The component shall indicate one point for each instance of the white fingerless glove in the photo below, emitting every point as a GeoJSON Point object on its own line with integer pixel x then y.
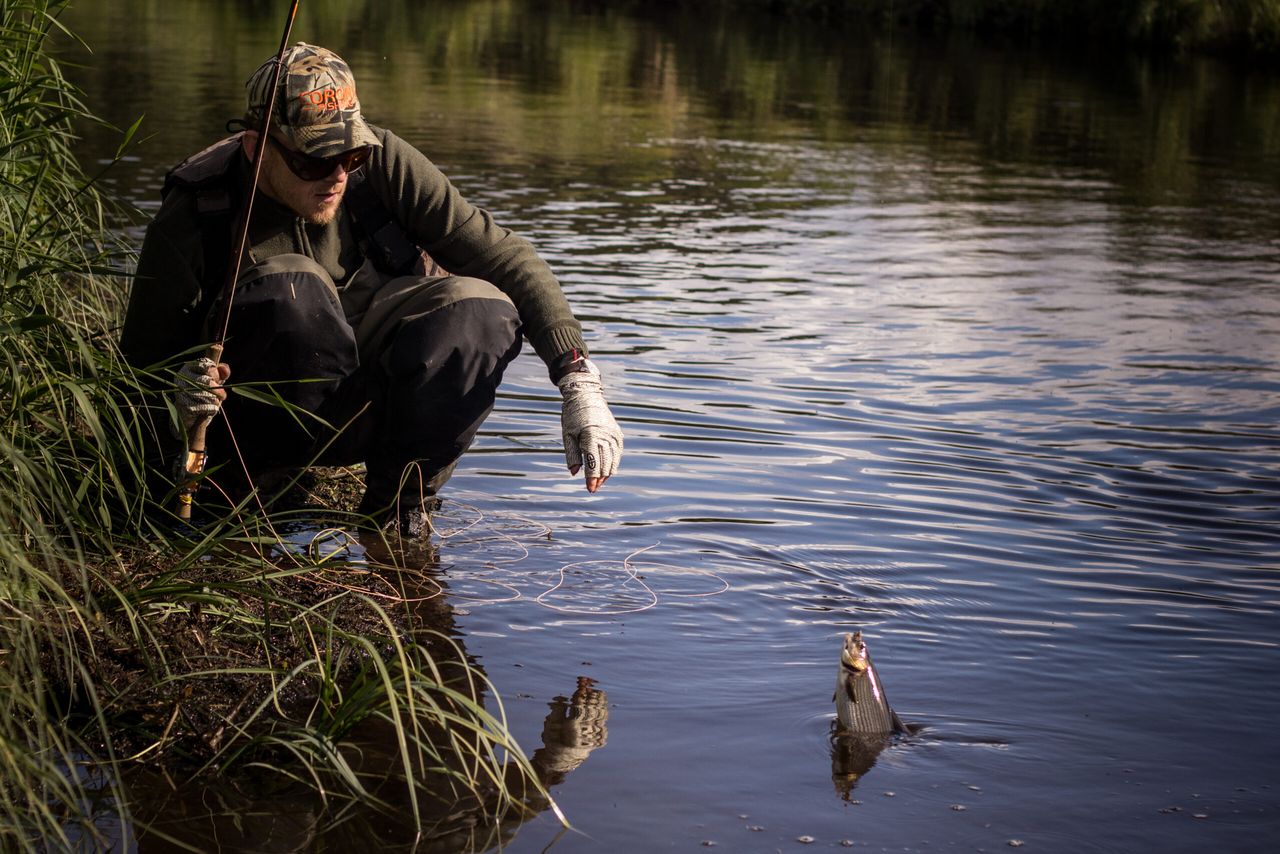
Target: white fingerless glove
{"type": "Point", "coordinates": [592, 438]}
{"type": "Point", "coordinates": [194, 397]}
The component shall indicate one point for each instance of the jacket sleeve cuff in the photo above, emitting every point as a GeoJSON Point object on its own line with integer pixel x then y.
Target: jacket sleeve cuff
{"type": "Point", "coordinates": [557, 341]}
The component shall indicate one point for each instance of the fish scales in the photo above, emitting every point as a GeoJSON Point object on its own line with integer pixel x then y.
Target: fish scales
{"type": "Point", "coordinates": [861, 704]}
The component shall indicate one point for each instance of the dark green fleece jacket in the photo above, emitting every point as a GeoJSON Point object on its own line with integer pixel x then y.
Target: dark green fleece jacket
{"type": "Point", "coordinates": [164, 314]}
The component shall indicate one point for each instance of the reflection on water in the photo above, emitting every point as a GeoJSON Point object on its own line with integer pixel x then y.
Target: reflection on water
{"type": "Point", "coordinates": [257, 810]}
{"type": "Point", "coordinates": [975, 349]}
{"type": "Point", "coordinates": [852, 757]}
{"type": "Point", "coordinates": [267, 816]}
{"type": "Point", "coordinates": [575, 727]}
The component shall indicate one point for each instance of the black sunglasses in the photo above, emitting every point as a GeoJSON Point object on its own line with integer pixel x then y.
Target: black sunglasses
{"type": "Point", "coordinates": [310, 168]}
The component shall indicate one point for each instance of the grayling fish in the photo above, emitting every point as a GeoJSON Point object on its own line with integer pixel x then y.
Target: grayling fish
{"type": "Point", "coordinates": [861, 706]}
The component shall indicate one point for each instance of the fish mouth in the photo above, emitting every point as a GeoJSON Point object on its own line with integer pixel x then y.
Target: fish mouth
{"type": "Point", "coordinates": [854, 655]}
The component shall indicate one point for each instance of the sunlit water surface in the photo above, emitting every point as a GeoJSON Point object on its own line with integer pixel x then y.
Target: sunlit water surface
{"type": "Point", "coordinates": [1000, 391]}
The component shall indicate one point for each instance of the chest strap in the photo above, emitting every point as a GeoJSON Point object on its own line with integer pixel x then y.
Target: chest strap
{"type": "Point", "coordinates": [384, 239]}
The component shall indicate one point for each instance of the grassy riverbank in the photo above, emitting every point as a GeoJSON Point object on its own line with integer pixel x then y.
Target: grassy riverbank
{"type": "Point", "coordinates": [125, 645]}
{"type": "Point", "coordinates": [1249, 26]}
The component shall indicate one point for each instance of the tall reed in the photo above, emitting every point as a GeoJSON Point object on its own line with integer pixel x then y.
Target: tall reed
{"type": "Point", "coordinates": [116, 636]}
{"type": "Point", "coordinates": [57, 474]}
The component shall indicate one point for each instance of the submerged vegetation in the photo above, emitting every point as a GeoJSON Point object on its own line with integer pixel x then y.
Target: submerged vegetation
{"type": "Point", "coordinates": [129, 649]}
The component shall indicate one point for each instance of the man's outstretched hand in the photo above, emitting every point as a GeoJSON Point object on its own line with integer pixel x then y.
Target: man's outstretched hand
{"type": "Point", "coordinates": [592, 437]}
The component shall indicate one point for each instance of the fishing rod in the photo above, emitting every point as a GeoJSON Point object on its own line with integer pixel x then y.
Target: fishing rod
{"type": "Point", "coordinates": [197, 453]}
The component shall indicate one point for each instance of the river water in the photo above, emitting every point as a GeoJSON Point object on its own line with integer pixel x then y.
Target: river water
{"type": "Point", "coordinates": [972, 348]}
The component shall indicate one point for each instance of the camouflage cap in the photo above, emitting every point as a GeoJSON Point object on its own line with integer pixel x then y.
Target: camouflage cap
{"type": "Point", "coordinates": [316, 107]}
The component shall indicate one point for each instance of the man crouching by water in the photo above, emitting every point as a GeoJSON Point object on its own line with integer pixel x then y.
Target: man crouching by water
{"type": "Point", "coordinates": [382, 356]}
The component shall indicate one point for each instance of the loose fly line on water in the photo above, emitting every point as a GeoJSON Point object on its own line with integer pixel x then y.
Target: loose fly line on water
{"type": "Point", "coordinates": [467, 558]}
{"type": "Point", "coordinates": [597, 588]}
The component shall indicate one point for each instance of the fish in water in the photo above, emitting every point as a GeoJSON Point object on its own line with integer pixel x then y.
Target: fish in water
{"type": "Point", "coordinates": [865, 723]}
{"type": "Point", "coordinates": [861, 706]}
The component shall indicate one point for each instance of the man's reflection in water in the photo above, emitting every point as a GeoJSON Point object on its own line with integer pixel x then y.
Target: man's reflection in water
{"type": "Point", "coordinates": [244, 815]}
{"type": "Point", "coordinates": [852, 756]}
{"type": "Point", "coordinates": [575, 727]}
